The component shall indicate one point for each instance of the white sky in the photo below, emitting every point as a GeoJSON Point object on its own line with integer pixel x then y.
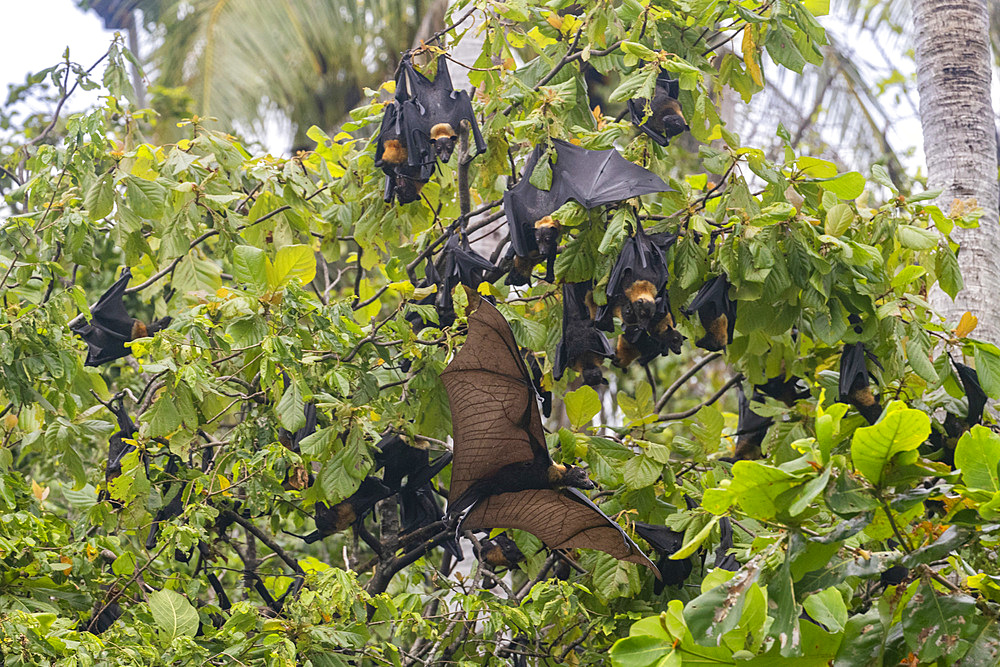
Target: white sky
{"type": "Point", "coordinates": [35, 33]}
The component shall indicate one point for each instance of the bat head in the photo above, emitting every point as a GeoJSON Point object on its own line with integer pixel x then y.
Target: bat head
{"type": "Point", "coordinates": [674, 123]}
{"type": "Point", "coordinates": [407, 189]}
{"type": "Point", "coordinates": [547, 233]}
{"type": "Point", "coordinates": [639, 312]}
{"type": "Point", "coordinates": [576, 477]}
{"type": "Point", "coordinates": [443, 139]}
{"type": "Point", "coordinates": [593, 376]}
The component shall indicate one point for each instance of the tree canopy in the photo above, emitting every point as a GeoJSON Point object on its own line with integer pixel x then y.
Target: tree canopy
{"type": "Point", "coordinates": [150, 507]}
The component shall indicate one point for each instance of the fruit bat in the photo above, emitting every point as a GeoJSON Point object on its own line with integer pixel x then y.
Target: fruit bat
{"type": "Point", "coordinates": [462, 265]}
{"type": "Point", "coordinates": [751, 429]}
{"type": "Point", "coordinates": [103, 618]}
{"type": "Point", "coordinates": [591, 178]}
{"type": "Point", "coordinates": [418, 506]}
{"type": "Point", "coordinates": [974, 392]}
{"type": "Point", "coordinates": [717, 313]}
{"type": "Point", "coordinates": [636, 285]}
{"type": "Point", "coordinates": [723, 558]}
{"type": "Point", "coordinates": [788, 391]}
{"type": "Point", "coordinates": [432, 113]}
{"type": "Point", "coordinates": [502, 469]}
{"type": "Point", "coordinates": [582, 347]}
{"type": "Point", "coordinates": [111, 326]}
{"type": "Point", "coordinates": [665, 119]}
{"type": "Point", "coordinates": [403, 181]}
{"type": "Point", "coordinates": [954, 426]}
{"type": "Point", "coordinates": [637, 295]}
{"type": "Point", "coordinates": [172, 508]}
{"type": "Point", "coordinates": [665, 542]}
{"type": "Point", "coordinates": [855, 384]}
{"type": "Point", "coordinates": [501, 551]}
{"type": "Point", "coordinates": [330, 520]}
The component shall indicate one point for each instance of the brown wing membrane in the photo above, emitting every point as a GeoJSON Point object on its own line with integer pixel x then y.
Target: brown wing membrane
{"type": "Point", "coordinates": [560, 519]}
{"type": "Point", "coordinates": [494, 413]}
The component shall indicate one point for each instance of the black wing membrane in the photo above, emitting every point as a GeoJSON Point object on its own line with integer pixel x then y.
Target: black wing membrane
{"type": "Point", "coordinates": [590, 177]}
{"type": "Point", "coordinates": [431, 105]}
{"type": "Point", "coordinates": [582, 347]}
{"type": "Point", "coordinates": [110, 326]}
{"type": "Point", "coordinates": [973, 390]}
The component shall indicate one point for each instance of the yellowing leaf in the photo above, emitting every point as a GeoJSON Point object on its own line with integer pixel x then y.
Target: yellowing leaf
{"type": "Point", "coordinates": [224, 484]}
{"type": "Point", "coordinates": [38, 491]}
{"type": "Point", "coordinates": [9, 420]}
{"type": "Point", "coordinates": [750, 56]}
{"type": "Point", "coordinates": [554, 20]}
{"type": "Point", "coordinates": [966, 325]}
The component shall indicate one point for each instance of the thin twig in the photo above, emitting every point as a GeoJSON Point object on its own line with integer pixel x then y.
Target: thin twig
{"type": "Point", "coordinates": [716, 396]}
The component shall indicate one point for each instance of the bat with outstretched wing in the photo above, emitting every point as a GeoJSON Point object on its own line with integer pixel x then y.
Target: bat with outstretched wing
{"type": "Point", "coordinates": [111, 326]}
{"type": "Point", "coordinates": [501, 467]}
{"type": "Point", "coordinates": [590, 177]}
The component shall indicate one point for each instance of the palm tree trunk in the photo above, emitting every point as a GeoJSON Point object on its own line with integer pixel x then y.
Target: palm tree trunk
{"type": "Point", "coordinates": [953, 80]}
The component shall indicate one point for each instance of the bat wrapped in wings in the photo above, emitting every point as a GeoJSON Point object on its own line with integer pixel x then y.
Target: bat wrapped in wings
{"type": "Point", "coordinates": [855, 382]}
{"type": "Point", "coordinates": [111, 326]}
{"type": "Point", "coordinates": [432, 113]}
{"type": "Point", "coordinates": [665, 119]}
{"type": "Point", "coordinates": [502, 470]}
{"type": "Point", "coordinates": [717, 313]}
{"type": "Point", "coordinates": [591, 178]}
{"type": "Point", "coordinates": [637, 295]}
{"type": "Point", "coordinates": [582, 347]}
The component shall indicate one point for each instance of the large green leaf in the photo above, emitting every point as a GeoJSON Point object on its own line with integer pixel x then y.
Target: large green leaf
{"type": "Point", "coordinates": [293, 262]}
{"type": "Point", "coordinates": [582, 406]}
{"type": "Point", "coordinates": [901, 429]}
{"type": "Point", "coordinates": [977, 455]}
{"type": "Point", "coordinates": [173, 614]}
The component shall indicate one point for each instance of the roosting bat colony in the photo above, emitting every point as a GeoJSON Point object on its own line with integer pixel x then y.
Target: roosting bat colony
{"type": "Point", "coordinates": [502, 475]}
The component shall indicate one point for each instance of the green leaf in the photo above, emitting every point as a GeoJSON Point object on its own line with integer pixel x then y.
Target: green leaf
{"type": "Point", "coordinates": [641, 471]}
{"type": "Point", "coordinates": [933, 624]}
{"type": "Point", "coordinates": [173, 614]}
{"type": "Point", "coordinates": [916, 238]}
{"type": "Point", "coordinates": [838, 220]}
{"type": "Point", "coordinates": [293, 262]}
{"type": "Point", "coordinates": [977, 455]}
{"type": "Point", "coordinates": [827, 607]}
{"type": "Point", "coordinates": [757, 486]}
{"type": "Point", "coordinates": [582, 406]}
{"type": "Point", "coordinates": [124, 565]}
{"type": "Point", "coordinates": [100, 197]}
{"type": "Point", "coordinates": [881, 176]}
{"type": "Point", "coordinates": [144, 197]}
{"type": "Point", "coordinates": [639, 651]}
{"type": "Point", "coordinates": [901, 429]}
{"type": "Point", "coordinates": [250, 266]}
{"type": "Point", "coordinates": [781, 47]}
{"type": "Point", "coordinates": [291, 408]}
{"type": "Point", "coordinates": [988, 368]}
{"type": "Point", "coordinates": [846, 186]}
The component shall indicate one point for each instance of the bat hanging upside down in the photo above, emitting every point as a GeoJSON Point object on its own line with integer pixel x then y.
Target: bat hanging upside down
{"type": "Point", "coordinates": [502, 471]}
